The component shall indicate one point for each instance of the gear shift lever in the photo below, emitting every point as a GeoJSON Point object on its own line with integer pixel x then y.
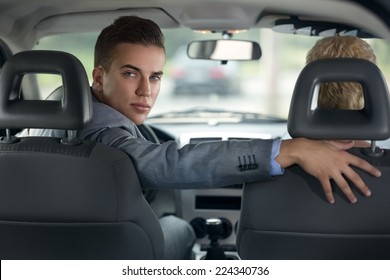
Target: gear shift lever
{"type": "Point", "coordinates": [215, 230]}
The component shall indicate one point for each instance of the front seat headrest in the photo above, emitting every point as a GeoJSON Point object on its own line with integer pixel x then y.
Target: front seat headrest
{"type": "Point", "coordinates": [370, 123]}
{"type": "Point", "coordinates": [71, 113]}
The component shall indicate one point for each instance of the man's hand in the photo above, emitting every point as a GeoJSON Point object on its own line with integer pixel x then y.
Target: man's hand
{"type": "Point", "coordinates": [327, 160]}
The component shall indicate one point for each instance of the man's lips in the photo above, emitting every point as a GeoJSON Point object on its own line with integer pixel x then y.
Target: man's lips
{"type": "Point", "coordinates": [141, 106]}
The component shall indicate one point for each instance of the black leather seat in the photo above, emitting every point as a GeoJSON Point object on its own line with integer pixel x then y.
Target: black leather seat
{"type": "Point", "coordinates": [65, 198]}
{"type": "Point", "coordinates": [289, 216]}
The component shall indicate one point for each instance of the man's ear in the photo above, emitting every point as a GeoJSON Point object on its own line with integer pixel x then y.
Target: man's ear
{"type": "Point", "coordinates": [97, 76]}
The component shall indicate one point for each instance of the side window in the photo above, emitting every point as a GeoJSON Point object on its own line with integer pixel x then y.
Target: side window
{"type": "Point", "coordinates": [80, 45]}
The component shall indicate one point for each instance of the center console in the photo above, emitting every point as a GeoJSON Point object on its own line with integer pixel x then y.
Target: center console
{"type": "Point", "coordinates": [200, 205]}
{"type": "Point", "coordinates": [203, 204]}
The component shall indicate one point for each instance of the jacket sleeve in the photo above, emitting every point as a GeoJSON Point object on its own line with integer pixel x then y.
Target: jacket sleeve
{"type": "Point", "coordinates": [205, 165]}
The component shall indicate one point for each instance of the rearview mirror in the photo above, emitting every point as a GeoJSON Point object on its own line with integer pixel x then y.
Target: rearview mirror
{"type": "Point", "coordinates": [224, 50]}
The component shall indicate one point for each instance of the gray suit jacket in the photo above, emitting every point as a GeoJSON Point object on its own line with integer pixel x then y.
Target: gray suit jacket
{"type": "Point", "coordinates": [205, 165]}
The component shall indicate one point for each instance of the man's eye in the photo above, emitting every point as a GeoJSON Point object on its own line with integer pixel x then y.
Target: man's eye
{"type": "Point", "coordinates": [155, 77]}
{"type": "Point", "coordinates": [129, 74]}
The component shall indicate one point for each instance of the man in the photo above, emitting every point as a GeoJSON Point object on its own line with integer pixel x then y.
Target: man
{"type": "Point", "coordinates": [129, 62]}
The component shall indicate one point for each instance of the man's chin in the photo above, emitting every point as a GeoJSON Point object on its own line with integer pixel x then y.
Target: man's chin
{"type": "Point", "coordinates": [138, 120]}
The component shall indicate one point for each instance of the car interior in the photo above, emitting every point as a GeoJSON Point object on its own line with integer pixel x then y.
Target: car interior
{"type": "Point", "coordinates": [258, 86]}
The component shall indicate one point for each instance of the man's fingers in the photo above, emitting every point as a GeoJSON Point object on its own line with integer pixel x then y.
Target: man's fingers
{"type": "Point", "coordinates": [328, 160]}
{"type": "Point", "coordinates": [343, 185]}
{"type": "Point", "coordinates": [327, 189]}
{"type": "Point", "coordinates": [355, 178]}
{"type": "Point", "coordinates": [364, 165]}
{"type": "Point", "coordinates": [357, 181]}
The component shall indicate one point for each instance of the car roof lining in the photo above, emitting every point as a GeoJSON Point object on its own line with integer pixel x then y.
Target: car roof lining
{"type": "Point", "coordinates": [24, 25]}
{"type": "Point", "coordinates": [92, 21]}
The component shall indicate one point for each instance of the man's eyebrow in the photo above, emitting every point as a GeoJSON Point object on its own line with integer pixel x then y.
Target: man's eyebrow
{"type": "Point", "coordinates": [158, 73]}
{"type": "Point", "coordinates": [131, 66]}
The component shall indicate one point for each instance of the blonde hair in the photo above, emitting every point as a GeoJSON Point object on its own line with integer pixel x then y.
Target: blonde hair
{"type": "Point", "coordinates": [344, 95]}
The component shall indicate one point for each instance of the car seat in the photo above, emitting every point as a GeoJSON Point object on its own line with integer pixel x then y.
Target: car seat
{"type": "Point", "coordinates": [66, 198]}
{"type": "Point", "coordinates": [288, 217]}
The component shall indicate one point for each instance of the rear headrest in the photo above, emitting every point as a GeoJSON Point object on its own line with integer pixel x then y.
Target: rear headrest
{"type": "Point", "coordinates": [370, 123]}
{"type": "Point", "coordinates": [72, 112]}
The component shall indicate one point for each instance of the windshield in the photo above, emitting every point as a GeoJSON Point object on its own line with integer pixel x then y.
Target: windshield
{"type": "Point", "coordinates": [263, 87]}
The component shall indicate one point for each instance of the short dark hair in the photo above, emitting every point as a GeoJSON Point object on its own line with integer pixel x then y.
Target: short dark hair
{"type": "Point", "coordinates": [126, 29]}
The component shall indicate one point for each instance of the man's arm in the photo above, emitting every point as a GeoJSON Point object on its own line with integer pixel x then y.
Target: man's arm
{"type": "Point", "coordinates": [208, 165]}
{"type": "Point", "coordinates": [205, 165]}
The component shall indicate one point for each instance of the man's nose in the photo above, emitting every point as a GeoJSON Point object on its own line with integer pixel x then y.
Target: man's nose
{"type": "Point", "coordinates": [143, 87]}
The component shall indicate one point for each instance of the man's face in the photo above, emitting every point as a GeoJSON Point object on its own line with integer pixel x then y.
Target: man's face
{"type": "Point", "coordinates": [132, 83]}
